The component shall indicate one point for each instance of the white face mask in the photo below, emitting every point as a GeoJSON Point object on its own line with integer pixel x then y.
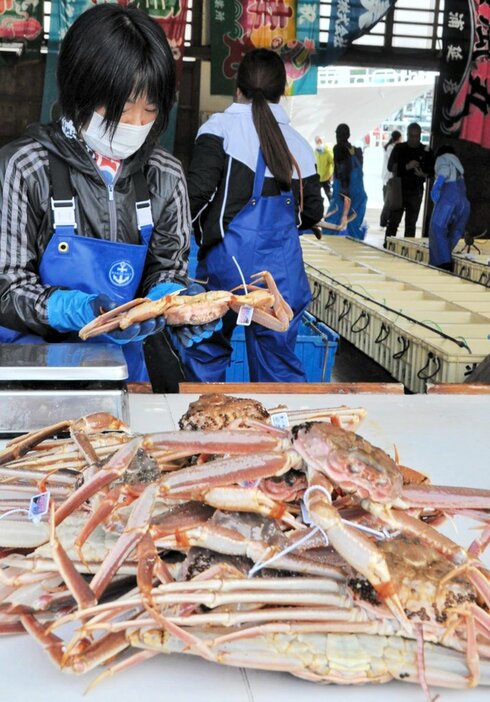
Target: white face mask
{"type": "Point", "coordinates": [126, 141]}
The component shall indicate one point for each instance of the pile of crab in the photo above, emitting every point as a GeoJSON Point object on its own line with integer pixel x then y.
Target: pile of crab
{"type": "Point", "coordinates": [302, 549]}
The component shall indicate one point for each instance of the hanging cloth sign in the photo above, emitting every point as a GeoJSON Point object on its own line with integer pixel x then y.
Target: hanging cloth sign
{"type": "Point", "coordinates": [349, 20]}
{"type": "Point", "coordinates": [463, 88]}
{"type": "Point", "coordinates": [290, 27]}
{"type": "Point", "coordinates": [22, 22]}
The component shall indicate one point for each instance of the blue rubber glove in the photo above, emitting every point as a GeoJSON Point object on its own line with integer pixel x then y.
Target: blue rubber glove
{"type": "Point", "coordinates": [190, 334]}
{"type": "Point", "coordinates": [161, 289]}
{"type": "Point", "coordinates": [435, 193]}
{"type": "Point", "coordinates": [70, 310]}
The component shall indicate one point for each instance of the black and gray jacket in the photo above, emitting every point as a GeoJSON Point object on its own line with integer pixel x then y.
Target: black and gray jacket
{"type": "Point", "coordinates": [26, 221]}
{"type": "Point", "coordinates": [221, 173]}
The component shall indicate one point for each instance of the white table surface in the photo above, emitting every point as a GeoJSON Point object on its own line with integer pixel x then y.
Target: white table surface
{"type": "Point", "coordinates": [447, 437]}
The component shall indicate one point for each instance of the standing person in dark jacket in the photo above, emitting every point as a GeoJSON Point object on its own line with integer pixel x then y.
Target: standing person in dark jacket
{"type": "Point", "coordinates": [244, 189]}
{"type": "Point", "coordinates": [94, 212]}
{"type": "Point", "coordinates": [348, 182]}
{"type": "Point", "coordinates": [413, 163]}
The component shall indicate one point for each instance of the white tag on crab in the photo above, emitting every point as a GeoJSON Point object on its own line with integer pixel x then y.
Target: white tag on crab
{"type": "Point", "coordinates": [39, 506]}
{"type": "Point", "coordinates": [245, 314]}
{"type": "Point", "coordinates": [280, 420]}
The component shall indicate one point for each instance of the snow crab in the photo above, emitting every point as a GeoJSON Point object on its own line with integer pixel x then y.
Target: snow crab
{"type": "Point", "coordinates": [270, 309]}
{"type": "Point", "coordinates": [387, 578]}
{"type": "Point", "coordinates": [327, 629]}
{"type": "Point", "coordinates": [342, 470]}
{"type": "Point", "coordinates": [217, 411]}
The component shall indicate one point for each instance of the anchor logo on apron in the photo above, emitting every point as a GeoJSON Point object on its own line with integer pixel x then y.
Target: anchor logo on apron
{"type": "Point", "coordinates": [121, 273]}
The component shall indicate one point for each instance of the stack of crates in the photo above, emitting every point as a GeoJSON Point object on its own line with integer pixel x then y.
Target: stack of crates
{"type": "Point", "coordinates": [316, 347]}
{"type": "Point", "coordinates": [419, 323]}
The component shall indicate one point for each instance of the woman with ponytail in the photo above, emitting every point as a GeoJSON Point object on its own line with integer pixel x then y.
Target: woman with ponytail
{"type": "Point", "coordinates": [253, 188]}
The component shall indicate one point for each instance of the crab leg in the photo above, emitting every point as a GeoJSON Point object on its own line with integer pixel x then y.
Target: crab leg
{"type": "Point", "coordinates": [97, 653]}
{"type": "Point", "coordinates": [137, 526]}
{"type": "Point", "coordinates": [357, 549]}
{"type": "Point", "coordinates": [479, 545]}
{"type": "Point", "coordinates": [127, 663]}
{"type": "Point", "coordinates": [83, 594]}
{"type": "Point", "coordinates": [218, 473]}
{"type": "Point", "coordinates": [103, 511]}
{"type": "Point", "coordinates": [21, 445]}
{"type": "Point", "coordinates": [344, 221]}
{"type": "Point", "coordinates": [108, 321]}
{"type": "Point", "coordinates": [280, 306]}
{"type": "Point", "coordinates": [242, 499]}
{"type": "Point", "coordinates": [444, 497]}
{"type": "Point", "coordinates": [415, 527]}
{"type": "Point", "coordinates": [112, 470]}
{"type": "Point", "coordinates": [229, 541]}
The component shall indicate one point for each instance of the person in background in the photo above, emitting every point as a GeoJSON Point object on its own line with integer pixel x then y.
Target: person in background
{"type": "Point", "coordinates": [348, 181]}
{"type": "Point", "coordinates": [451, 208]}
{"type": "Point", "coordinates": [94, 212]}
{"type": "Point", "coordinates": [395, 138]}
{"type": "Point", "coordinates": [248, 203]}
{"type": "Point", "coordinates": [413, 163]}
{"type": "Point", "coordinates": [324, 164]}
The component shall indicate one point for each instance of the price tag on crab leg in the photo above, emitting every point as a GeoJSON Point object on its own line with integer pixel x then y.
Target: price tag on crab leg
{"type": "Point", "coordinates": [39, 506]}
{"type": "Point", "coordinates": [245, 315]}
{"type": "Point", "coordinates": [280, 420]}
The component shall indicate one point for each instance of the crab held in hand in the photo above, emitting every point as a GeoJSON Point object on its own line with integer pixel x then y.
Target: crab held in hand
{"type": "Point", "coordinates": [270, 309]}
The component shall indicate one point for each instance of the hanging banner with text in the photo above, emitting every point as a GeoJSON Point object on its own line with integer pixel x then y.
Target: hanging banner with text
{"type": "Point", "coordinates": [463, 97]}
{"type": "Point", "coordinates": [349, 20]}
{"type": "Point", "coordinates": [22, 23]}
{"type": "Point", "coordinates": [289, 27]}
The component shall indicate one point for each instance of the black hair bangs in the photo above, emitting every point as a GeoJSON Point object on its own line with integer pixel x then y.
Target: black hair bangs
{"type": "Point", "coordinates": [111, 55]}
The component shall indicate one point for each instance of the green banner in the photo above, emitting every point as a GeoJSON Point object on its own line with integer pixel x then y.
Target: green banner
{"type": "Point", "coordinates": [21, 23]}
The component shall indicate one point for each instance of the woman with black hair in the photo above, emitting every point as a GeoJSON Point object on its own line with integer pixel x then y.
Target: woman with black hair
{"type": "Point", "coordinates": [348, 182]}
{"type": "Point", "coordinates": [253, 187]}
{"type": "Point", "coordinates": [94, 211]}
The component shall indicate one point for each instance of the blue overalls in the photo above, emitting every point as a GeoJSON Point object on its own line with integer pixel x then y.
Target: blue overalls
{"type": "Point", "coordinates": [262, 236]}
{"type": "Point", "coordinates": [94, 266]}
{"type": "Point", "coordinates": [449, 218]}
{"type": "Point", "coordinates": [358, 198]}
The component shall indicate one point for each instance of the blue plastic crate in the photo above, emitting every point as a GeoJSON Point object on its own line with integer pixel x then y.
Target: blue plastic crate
{"type": "Point", "coordinates": [316, 347]}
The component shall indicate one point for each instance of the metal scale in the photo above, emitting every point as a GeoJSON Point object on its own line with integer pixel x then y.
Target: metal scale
{"type": "Point", "coordinates": [41, 384]}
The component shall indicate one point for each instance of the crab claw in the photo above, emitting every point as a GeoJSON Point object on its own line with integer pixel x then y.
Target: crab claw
{"type": "Point", "coordinates": [344, 220]}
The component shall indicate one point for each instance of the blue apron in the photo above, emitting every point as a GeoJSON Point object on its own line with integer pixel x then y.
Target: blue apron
{"type": "Point", "coordinates": [94, 266]}
{"type": "Point", "coordinates": [449, 218]}
{"type": "Point", "coordinates": [262, 236]}
{"type": "Point", "coordinates": [358, 198]}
